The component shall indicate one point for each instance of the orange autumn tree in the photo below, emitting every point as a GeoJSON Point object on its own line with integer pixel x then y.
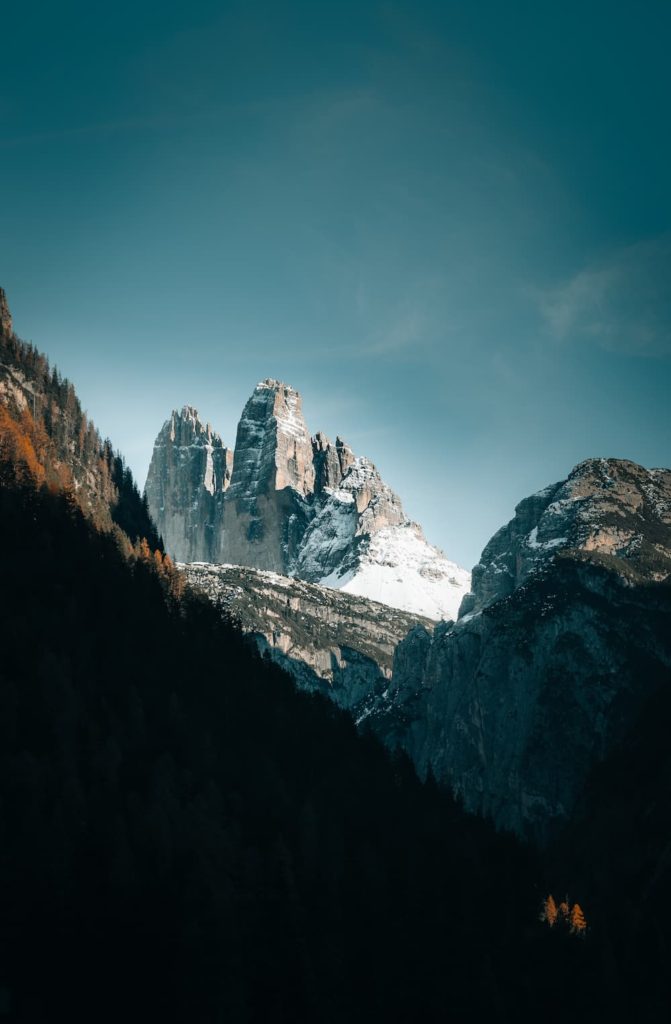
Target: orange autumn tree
{"type": "Point", "coordinates": [549, 911]}
{"type": "Point", "coordinates": [17, 451]}
{"type": "Point", "coordinates": [564, 916]}
{"type": "Point", "coordinates": [578, 922]}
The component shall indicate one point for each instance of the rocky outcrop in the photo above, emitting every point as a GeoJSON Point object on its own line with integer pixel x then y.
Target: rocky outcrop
{"type": "Point", "coordinates": [190, 471]}
{"type": "Point", "coordinates": [566, 638]}
{"type": "Point", "coordinates": [273, 448]}
{"type": "Point", "coordinates": [331, 462]}
{"type": "Point", "coordinates": [331, 642]}
{"type": "Point", "coordinates": [361, 541]}
{"type": "Point", "coordinates": [607, 507]}
{"type": "Point", "coordinates": [302, 507]}
{"type": "Point", "coordinates": [360, 505]}
{"type": "Point", "coordinates": [267, 508]}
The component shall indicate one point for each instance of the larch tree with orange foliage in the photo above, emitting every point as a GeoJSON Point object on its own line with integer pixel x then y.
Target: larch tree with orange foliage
{"type": "Point", "coordinates": [563, 916]}
{"type": "Point", "coordinates": [549, 911]}
{"type": "Point", "coordinates": [578, 923]}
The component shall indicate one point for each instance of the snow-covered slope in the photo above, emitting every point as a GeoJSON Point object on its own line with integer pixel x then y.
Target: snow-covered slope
{"type": "Point", "coordinates": [361, 542]}
{"type": "Point", "coordinates": [397, 566]}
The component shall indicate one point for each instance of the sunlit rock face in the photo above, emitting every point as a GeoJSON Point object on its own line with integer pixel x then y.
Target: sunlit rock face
{"type": "Point", "coordinates": [361, 541]}
{"type": "Point", "coordinates": [331, 461]}
{"type": "Point", "coordinates": [190, 471]}
{"type": "Point", "coordinates": [273, 448]}
{"type": "Point", "coordinates": [610, 507]}
{"type": "Point", "coordinates": [304, 507]}
{"type": "Point", "coordinates": [332, 642]}
{"type": "Point", "coordinates": [267, 508]}
{"type": "Point", "coordinates": [563, 641]}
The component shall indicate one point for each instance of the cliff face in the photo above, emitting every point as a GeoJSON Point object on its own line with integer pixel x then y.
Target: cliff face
{"type": "Point", "coordinates": [331, 642]}
{"type": "Point", "coordinates": [266, 509]}
{"type": "Point", "coordinates": [273, 447]}
{"type": "Point", "coordinates": [296, 505]}
{"type": "Point", "coordinates": [562, 643]}
{"type": "Point", "coordinates": [331, 461]}
{"type": "Point", "coordinates": [189, 472]}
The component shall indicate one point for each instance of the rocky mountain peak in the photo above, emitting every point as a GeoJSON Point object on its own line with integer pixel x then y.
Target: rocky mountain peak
{"type": "Point", "coordinates": [189, 472]}
{"type": "Point", "coordinates": [302, 506]}
{"type": "Point", "coordinates": [273, 449]}
{"type": "Point", "coordinates": [377, 505]}
{"type": "Point", "coordinates": [185, 427]}
{"type": "Point", "coordinates": [331, 461]}
{"type": "Point", "coordinates": [606, 509]}
{"type": "Point", "coordinates": [6, 327]}
{"type": "Point", "coordinates": [361, 541]}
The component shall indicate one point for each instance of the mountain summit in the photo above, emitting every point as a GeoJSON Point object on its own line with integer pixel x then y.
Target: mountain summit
{"type": "Point", "coordinates": [191, 469]}
{"type": "Point", "coordinates": [609, 510]}
{"type": "Point", "coordinates": [295, 504]}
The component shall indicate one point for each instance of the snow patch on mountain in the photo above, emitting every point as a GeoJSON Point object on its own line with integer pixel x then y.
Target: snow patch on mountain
{"type": "Point", "coordinates": [397, 567]}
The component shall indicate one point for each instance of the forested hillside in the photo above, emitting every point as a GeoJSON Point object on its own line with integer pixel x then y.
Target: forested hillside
{"type": "Point", "coordinates": [37, 403]}
{"type": "Point", "coordinates": [185, 836]}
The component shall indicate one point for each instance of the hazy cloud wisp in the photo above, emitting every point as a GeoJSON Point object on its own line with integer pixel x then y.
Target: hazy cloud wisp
{"type": "Point", "coordinates": [623, 303]}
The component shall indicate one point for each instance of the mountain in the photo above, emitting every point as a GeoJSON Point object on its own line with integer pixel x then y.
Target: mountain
{"type": "Point", "coordinates": [294, 504]}
{"type": "Point", "coordinates": [562, 642]}
{"type": "Point", "coordinates": [191, 471]}
{"type": "Point", "coordinates": [268, 505]}
{"type": "Point", "coordinates": [330, 641]}
{"type": "Point", "coordinates": [360, 541]}
{"type": "Point", "coordinates": [607, 509]}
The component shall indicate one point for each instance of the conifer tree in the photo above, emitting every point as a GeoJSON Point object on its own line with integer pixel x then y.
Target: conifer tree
{"type": "Point", "coordinates": [549, 912]}
{"type": "Point", "coordinates": [578, 922]}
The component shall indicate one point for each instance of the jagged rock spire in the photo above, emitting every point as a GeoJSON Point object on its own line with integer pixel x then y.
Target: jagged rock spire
{"type": "Point", "coordinates": [272, 447]}
{"type": "Point", "coordinates": [189, 472]}
{"type": "Point", "coordinates": [267, 506]}
{"type": "Point", "coordinates": [331, 462]}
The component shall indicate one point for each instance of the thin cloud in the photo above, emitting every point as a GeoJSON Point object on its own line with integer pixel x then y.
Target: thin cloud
{"type": "Point", "coordinates": [622, 303]}
{"type": "Point", "coordinates": [405, 331]}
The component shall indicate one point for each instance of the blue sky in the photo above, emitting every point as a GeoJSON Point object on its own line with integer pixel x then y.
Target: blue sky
{"type": "Point", "coordinates": [448, 225]}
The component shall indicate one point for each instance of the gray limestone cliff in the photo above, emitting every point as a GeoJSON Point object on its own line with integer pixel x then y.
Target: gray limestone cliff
{"type": "Point", "coordinates": [338, 644]}
{"type": "Point", "coordinates": [190, 471]}
{"type": "Point", "coordinates": [565, 638]}
{"type": "Point", "coordinates": [267, 508]}
{"type": "Point", "coordinates": [360, 505]}
{"type": "Point", "coordinates": [331, 461]}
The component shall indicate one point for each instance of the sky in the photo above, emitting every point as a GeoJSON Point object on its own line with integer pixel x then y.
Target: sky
{"type": "Point", "coordinates": [448, 225]}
